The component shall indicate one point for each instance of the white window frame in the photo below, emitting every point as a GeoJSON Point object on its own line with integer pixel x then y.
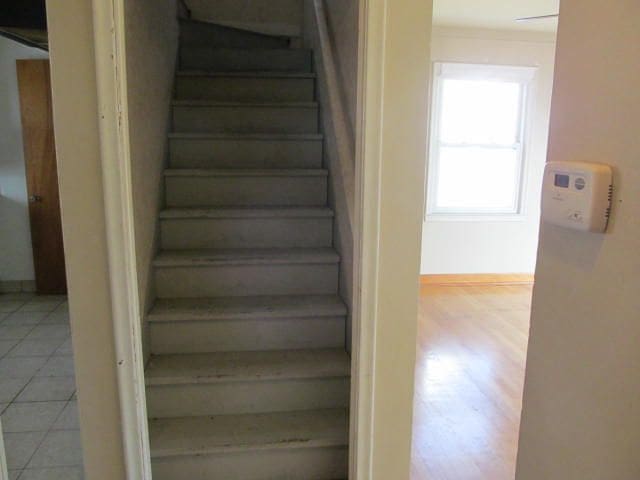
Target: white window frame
{"type": "Point", "coordinates": [448, 70]}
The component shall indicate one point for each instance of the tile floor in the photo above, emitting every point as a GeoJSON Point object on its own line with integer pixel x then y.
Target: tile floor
{"type": "Point", "coordinates": [37, 389]}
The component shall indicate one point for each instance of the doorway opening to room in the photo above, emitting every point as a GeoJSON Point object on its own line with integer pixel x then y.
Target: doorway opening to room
{"type": "Point", "coordinates": [39, 426]}
{"type": "Point", "coordinates": [491, 89]}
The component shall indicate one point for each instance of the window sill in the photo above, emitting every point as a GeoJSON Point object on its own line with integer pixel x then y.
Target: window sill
{"type": "Point", "coordinates": [475, 217]}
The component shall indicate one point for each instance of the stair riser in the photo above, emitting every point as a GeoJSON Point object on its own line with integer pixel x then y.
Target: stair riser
{"type": "Point", "coordinates": [207, 34]}
{"type": "Point", "coordinates": [243, 280]}
{"type": "Point", "coordinates": [292, 464]}
{"type": "Point", "coordinates": [246, 191]}
{"type": "Point", "coordinates": [246, 233]}
{"type": "Point", "coordinates": [244, 119]}
{"type": "Point", "coordinates": [217, 153]}
{"type": "Point", "coordinates": [231, 398]}
{"type": "Point", "coordinates": [223, 60]}
{"type": "Point", "coordinates": [246, 335]}
{"type": "Point", "coordinates": [245, 89]}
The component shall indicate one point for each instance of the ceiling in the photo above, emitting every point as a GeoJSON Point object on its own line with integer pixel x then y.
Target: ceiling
{"type": "Point", "coordinates": [495, 14]}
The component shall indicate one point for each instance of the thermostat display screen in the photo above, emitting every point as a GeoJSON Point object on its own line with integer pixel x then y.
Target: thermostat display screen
{"type": "Point", "coordinates": [561, 181]}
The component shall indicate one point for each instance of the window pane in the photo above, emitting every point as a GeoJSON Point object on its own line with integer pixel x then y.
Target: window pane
{"type": "Point", "coordinates": [480, 112]}
{"type": "Point", "coordinates": [472, 179]}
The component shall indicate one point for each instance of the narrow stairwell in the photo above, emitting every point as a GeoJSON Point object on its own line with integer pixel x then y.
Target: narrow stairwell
{"type": "Point", "coordinates": [248, 376]}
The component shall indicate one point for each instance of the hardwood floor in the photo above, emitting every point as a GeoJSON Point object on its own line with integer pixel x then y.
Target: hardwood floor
{"type": "Point", "coordinates": [472, 343]}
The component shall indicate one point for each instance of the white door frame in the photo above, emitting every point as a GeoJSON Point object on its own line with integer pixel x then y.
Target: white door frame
{"type": "Point", "coordinates": [391, 155]}
{"type": "Point", "coordinates": [4, 474]}
{"type": "Point", "coordinates": [110, 58]}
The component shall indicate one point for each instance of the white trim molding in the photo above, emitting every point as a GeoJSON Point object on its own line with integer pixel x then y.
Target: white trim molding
{"type": "Point", "coordinates": [110, 58]}
{"type": "Point", "coordinates": [391, 147]}
{"type": "Point", "coordinates": [4, 474]}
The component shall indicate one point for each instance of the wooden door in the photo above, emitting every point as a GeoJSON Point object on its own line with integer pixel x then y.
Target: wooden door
{"type": "Point", "coordinates": [34, 85]}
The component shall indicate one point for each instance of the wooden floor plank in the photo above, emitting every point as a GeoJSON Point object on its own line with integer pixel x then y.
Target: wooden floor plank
{"type": "Point", "coordinates": [472, 343]}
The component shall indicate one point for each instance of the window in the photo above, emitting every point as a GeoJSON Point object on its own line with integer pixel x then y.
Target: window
{"type": "Point", "coordinates": [476, 161]}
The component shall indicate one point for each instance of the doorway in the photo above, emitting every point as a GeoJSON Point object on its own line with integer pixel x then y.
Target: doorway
{"type": "Point", "coordinates": [490, 103]}
{"type": "Point", "coordinates": [38, 404]}
{"type": "Point", "coordinates": [34, 86]}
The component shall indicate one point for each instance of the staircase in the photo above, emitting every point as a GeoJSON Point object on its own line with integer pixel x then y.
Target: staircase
{"type": "Point", "coordinates": [248, 376]}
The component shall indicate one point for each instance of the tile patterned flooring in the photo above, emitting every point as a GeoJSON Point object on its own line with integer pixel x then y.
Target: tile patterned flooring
{"type": "Point", "coordinates": [37, 389]}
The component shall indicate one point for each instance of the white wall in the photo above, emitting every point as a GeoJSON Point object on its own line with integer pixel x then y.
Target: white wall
{"type": "Point", "coordinates": [581, 417]}
{"type": "Point", "coordinates": [151, 28]}
{"type": "Point", "coordinates": [16, 256]}
{"type": "Point", "coordinates": [342, 20]}
{"type": "Point", "coordinates": [460, 247]}
{"type": "Point", "coordinates": [342, 25]}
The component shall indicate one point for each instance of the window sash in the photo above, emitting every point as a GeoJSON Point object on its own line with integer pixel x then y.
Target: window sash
{"type": "Point", "coordinates": [443, 71]}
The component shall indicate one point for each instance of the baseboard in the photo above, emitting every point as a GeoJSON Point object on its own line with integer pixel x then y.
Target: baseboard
{"type": "Point", "coordinates": [17, 286]}
{"type": "Point", "coordinates": [478, 279]}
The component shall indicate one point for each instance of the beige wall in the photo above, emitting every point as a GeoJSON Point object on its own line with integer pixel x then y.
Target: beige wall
{"type": "Point", "coordinates": [496, 245]}
{"type": "Point", "coordinates": [269, 16]}
{"type": "Point", "coordinates": [73, 78]}
{"type": "Point", "coordinates": [581, 417]}
{"type": "Point", "coordinates": [151, 29]}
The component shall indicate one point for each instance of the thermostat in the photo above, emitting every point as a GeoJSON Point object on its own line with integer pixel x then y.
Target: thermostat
{"type": "Point", "coordinates": [577, 195]}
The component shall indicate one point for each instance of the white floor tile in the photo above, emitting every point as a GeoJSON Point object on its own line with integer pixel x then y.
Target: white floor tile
{"type": "Point", "coordinates": [10, 387]}
{"type": "Point", "coordinates": [36, 348]}
{"type": "Point", "coordinates": [68, 419]}
{"type": "Point", "coordinates": [31, 417]}
{"type": "Point", "coordinates": [59, 449]}
{"type": "Point", "coordinates": [44, 332]}
{"type": "Point", "coordinates": [14, 474]}
{"type": "Point", "coordinates": [19, 319]}
{"type": "Point", "coordinates": [59, 473]}
{"type": "Point", "coordinates": [20, 447]}
{"type": "Point", "coordinates": [55, 319]}
{"type": "Point", "coordinates": [48, 389]}
{"type": "Point", "coordinates": [6, 346]}
{"type": "Point", "coordinates": [15, 333]}
{"type": "Point", "coordinates": [19, 367]}
{"type": "Point", "coordinates": [57, 367]}
{"type": "Point", "coordinates": [66, 348]}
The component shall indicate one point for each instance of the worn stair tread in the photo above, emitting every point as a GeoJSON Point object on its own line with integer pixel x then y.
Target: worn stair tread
{"type": "Point", "coordinates": [217, 367]}
{"type": "Point", "coordinates": [251, 104]}
{"type": "Point", "coordinates": [245, 74]}
{"type": "Point", "coordinates": [245, 136]}
{"type": "Point", "coordinates": [246, 212]}
{"type": "Point", "coordinates": [236, 433]}
{"type": "Point", "coordinates": [246, 172]}
{"type": "Point", "coordinates": [246, 256]}
{"type": "Point", "coordinates": [251, 307]}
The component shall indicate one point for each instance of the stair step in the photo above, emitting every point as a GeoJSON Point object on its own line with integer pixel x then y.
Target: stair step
{"type": "Point", "coordinates": [220, 117]}
{"type": "Point", "coordinates": [197, 33]}
{"type": "Point", "coordinates": [256, 256]}
{"type": "Point", "coordinates": [224, 367]}
{"type": "Point", "coordinates": [245, 59]}
{"type": "Point", "coordinates": [189, 150]}
{"type": "Point", "coordinates": [234, 308]}
{"type": "Point", "coordinates": [235, 187]}
{"type": "Point", "coordinates": [264, 227]}
{"type": "Point", "coordinates": [246, 86]}
{"type": "Point", "coordinates": [246, 272]}
{"type": "Point", "coordinates": [224, 383]}
{"type": "Point", "coordinates": [180, 325]}
{"type": "Point", "coordinates": [292, 445]}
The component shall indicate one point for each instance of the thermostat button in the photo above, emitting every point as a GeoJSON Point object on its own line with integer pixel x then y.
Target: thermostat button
{"type": "Point", "coordinates": [580, 183]}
